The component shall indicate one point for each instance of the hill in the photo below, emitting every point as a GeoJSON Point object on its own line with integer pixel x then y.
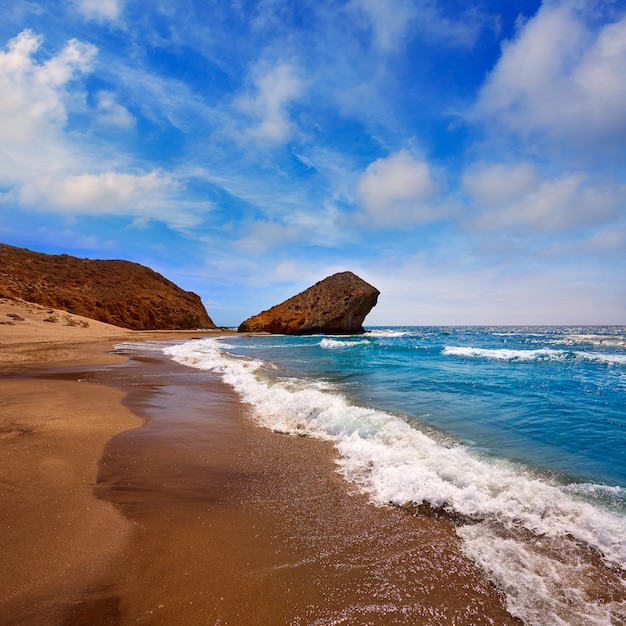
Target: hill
{"type": "Point", "coordinates": [122, 293]}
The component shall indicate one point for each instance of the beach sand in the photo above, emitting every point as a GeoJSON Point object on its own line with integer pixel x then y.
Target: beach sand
{"type": "Point", "coordinates": [140, 491]}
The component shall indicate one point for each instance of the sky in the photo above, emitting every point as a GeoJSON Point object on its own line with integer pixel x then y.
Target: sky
{"type": "Point", "coordinates": [466, 158]}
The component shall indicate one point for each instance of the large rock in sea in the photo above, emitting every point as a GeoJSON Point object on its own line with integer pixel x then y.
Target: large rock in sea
{"type": "Point", "coordinates": [336, 305]}
{"type": "Point", "coordinates": [117, 292]}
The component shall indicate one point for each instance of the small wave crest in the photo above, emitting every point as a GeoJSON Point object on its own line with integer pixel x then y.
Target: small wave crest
{"type": "Point", "coordinates": [139, 346]}
{"type": "Point", "coordinates": [612, 341]}
{"type": "Point", "coordinates": [388, 333]}
{"type": "Point", "coordinates": [339, 344]}
{"type": "Point", "coordinates": [543, 354]}
{"type": "Point", "coordinates": [612, 496]}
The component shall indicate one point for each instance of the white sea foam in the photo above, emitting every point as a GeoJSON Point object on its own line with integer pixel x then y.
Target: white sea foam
{"type": "Point", "coordinates": [539, 587]}
{"type": "Point", "coordinates": [614, 341]}
{"type": "Point", "coordinates": [381, 332]}
{"type": "Point", "coordinates": [139, 346]}
{"type": "Point", "coordinates": [504, 354]}
{"type": "Point", "coordinates": [542, 354]}
{"type": "Point", "coordinates": [338, 344]}
{"type": "Point", "coordinates": [396, 463]}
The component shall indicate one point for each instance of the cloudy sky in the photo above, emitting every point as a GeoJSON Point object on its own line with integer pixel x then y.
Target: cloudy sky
{"type": "Point", "coordinates": [466, 158]}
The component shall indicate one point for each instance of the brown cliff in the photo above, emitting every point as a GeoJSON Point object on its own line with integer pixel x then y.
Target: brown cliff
{"type": "Point", "coordinates": [336, 305]}
{"type": "Point", "coordinates": [117, 292]}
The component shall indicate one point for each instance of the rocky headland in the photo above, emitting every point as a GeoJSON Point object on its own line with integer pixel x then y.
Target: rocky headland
{"type": "Point", "coordinates": [121, 293]}
{"type": "Point", "coordinates": [336, 305]}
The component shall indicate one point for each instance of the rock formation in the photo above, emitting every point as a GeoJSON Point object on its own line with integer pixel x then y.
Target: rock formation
{"type": "Point", "coordinates": [117, 292]}
{"type": "Point", "coordinates": [336, 305]}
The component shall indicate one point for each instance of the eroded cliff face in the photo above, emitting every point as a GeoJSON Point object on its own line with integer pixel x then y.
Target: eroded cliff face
{"type": "Point", "coordinates": [117, 292]}
{"type": "Point", "coordinates": [336, 305]}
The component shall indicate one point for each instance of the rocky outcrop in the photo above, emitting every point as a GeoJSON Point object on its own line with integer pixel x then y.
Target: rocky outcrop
{"type": "Point", "coordinates": [336, 305]}
{"type": "Point", "coordinates": [117, 292]}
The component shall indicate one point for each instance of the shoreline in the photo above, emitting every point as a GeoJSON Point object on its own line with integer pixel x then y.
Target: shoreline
{"type": "Point", "coordinates": [201, 516]}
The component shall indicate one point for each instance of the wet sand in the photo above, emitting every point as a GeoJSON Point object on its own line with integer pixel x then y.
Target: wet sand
{"type": "Point", "coordinates": [54, 535]}
{"type": "Point", "coordinates": [199, 516]}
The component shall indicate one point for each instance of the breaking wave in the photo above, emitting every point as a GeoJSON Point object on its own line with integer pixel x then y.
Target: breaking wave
{"type": "Point", "coordinates": [542, 354]}
{"type": "Point", "coordinates": [508, 513]}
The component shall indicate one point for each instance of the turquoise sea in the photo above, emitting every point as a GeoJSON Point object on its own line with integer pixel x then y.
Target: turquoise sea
{"type": "Point", "coordinates": [517, 434]}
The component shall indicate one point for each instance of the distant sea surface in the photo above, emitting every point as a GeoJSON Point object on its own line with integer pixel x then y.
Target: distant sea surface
{"type": "Point", "coordinates": [517, 434]}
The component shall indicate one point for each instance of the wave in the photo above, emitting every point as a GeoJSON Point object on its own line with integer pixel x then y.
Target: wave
{"type": "Point", "coordinates": [542, 354]}
{"type": "Point", "coordinates": [595, 341]}
{"type": "Point", "coordinates": [385, 332]}
{"type": "Point", "coordinates": [337, 344]}
{"type": "Point", "coordinates": [596, 336]}
{"type": "Point", "coordinates": [500, 504]}
{"type": "Point", "coordinates": [612, 496]}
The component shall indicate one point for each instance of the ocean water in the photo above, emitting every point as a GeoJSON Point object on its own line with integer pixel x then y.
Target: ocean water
{"type": "Point", "coordinates": [517, 434]}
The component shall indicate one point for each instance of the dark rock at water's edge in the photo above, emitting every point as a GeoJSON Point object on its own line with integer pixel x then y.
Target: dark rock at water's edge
{"type": "Point", "coordinates": [336, 305]}
{"type": "Point", "coordinates": [122, 293]}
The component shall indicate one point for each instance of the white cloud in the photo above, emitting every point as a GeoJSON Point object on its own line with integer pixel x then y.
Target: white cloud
{"type": "Point", "coordinates": [323, 228]}
{"type": "Point", "coordinates": [152, 196]}
{"type": "Point", "coordinates": [397, 191]}
{"type": "Point", "coordinates": [609, 241]}
{"type": "Point", "coordinates": [166, 99]}
{"type": "Point", "coordinates": [420, 291]}
{"type": "Point", "coordinates": [33, 96]}
{"type": "Point", "coordinates": [111, 113]}
{"type": "Point", "coordinates": [263, 236]}
{"type": "Point", "coordinates": [562, 77]}
{"type": "Point", "coordinates": [497, 185]}
{"type": "Point", "coordinates": [275, 88]}
{"type": "Point", "coordinates": [34, 102]}
{"type": "Point", "coordinates": [100, 10]}
{"type": "Point", "coordinates": [45, 168]}
{"type": "Point", "coordinates": [89, 194]}
{"type": "Point", "coordinates": [608, 244]}
{"type": "Point", "coordinates": [389, 26]}
{"type": "Point", "coordinates": [514, 197]}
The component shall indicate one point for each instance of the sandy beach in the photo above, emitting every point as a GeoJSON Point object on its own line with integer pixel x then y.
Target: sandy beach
{"type": "Point", "coordinates": [139, 491]}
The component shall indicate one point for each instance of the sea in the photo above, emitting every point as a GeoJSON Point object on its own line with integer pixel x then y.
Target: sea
{"type": "Point", "coordinates": [516, 434]}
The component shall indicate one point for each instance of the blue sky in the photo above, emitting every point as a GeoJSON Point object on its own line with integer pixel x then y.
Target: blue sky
{"type": "Point", "coordinates": [466, 158]}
